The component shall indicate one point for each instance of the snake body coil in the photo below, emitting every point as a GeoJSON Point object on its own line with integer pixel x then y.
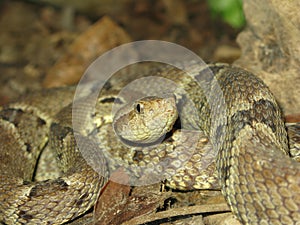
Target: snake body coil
{"type": "Point", "coordinates": [258, 179]}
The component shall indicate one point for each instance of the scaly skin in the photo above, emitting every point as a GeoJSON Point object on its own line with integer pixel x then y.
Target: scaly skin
{"type": "Point", "coordinates": [259, 181]}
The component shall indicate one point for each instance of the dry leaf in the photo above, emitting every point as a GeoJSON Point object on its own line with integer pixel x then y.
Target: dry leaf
{"type": "Point", "coordinates": [98, 39]}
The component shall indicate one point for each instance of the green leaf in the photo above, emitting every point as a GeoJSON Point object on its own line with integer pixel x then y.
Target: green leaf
{"type": "Point", "coordinates": [230, 11]}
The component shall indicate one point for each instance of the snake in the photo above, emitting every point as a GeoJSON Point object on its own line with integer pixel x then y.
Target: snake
{"type": "Point", "coordinates": [241, 134]}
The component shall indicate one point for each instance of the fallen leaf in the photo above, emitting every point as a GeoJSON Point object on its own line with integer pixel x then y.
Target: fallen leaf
{"type": "Point", "coordinates": [96, 40]}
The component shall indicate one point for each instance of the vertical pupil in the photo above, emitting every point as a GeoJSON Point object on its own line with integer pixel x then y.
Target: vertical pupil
{"type": "Point", "coordinates": [138, 108]}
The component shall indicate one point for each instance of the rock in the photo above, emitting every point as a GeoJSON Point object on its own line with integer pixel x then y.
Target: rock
{"type": "Point", "coordinates": [271, 48]}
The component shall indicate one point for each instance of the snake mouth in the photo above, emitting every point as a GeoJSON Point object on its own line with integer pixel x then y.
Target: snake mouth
{"type": "Point", "coordinates": [167, 137]}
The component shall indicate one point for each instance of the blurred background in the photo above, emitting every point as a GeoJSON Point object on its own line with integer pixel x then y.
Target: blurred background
{"type": "Point", "coordinates": [36, 34]}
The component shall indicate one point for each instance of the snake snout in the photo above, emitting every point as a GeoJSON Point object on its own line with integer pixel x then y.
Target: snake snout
{"type": "Point", "coordinates": [148, 120]}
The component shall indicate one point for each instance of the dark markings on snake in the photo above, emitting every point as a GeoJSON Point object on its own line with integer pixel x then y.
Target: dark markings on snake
{"type": "Point", "coordinates": [61, 183]}
{"type": "Point", "coordinates": [33, 192]}
{"type": "Point", "coordinates": [25, 216]}
{"type": "Point", "coordinates": [240, 119]}
{"type": "Point", "coordinates": [296, 136]}
{"type": "Point", "coordinates": [266, 105]}
{"type": "Point", "coordinates": [246, 117]}
{"type": "Point", "coordinates": [28, 147]}
{"type": "Point", "coordinates": [138, 156]}
{"type": "Point", "coordinates": [208, 73]}
{"type": "Point", "coordinates": [216, 68]}
{"type": "Point", "coordinates": [59, 156]}
{"type": "Point", "coordinates": [41, 122]}
{"type": "Point", "coordinates": [107, 85]}
{"type": "Point", "coordinates": [95, 132]}
{"type": "Point", "coordinates": [81, 199]}
{"type": "Point", "coordinates": [181, 102]}
{"type": "Point", "coordinates": [226, 173]}
{"type": "Point", "coordinates": [12, 115]}
{"type": "Point", "coordinates": [110, 100]}
{"type": "Point", "coordinates": [60, 132]}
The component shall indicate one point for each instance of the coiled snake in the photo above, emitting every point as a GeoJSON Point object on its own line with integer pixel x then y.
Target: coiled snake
{"type": "Point", "coordinates": [260, 182]}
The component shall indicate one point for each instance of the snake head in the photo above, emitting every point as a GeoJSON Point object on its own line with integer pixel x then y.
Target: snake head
{"type": "Point", "coordinates": [147, 120]}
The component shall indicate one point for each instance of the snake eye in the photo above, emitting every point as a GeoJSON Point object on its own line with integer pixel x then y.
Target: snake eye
{"type": "Point", "coordinates": [139, 108]}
